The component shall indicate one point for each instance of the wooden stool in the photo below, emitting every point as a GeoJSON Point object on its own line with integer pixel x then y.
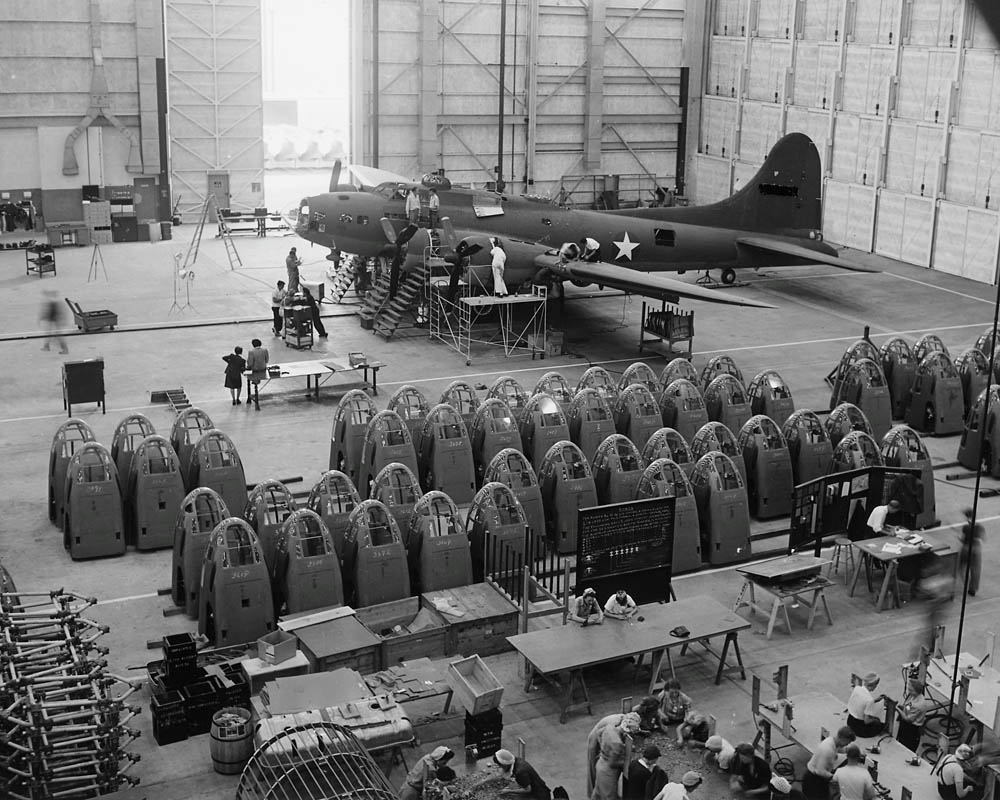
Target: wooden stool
{"type": "Point", "coordinates": [842, 548]}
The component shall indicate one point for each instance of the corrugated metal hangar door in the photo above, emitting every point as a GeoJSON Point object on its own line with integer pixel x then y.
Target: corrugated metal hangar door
{"type": "Point", "coordinates": [214, 90]}
{"type": "Point", "coordinates": [591, 90]}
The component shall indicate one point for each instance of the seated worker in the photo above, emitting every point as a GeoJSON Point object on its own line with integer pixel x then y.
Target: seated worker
{"type": "Point", "coordinates": [648, 710]}
{"type": "Point", "coordinates": [953, 782]}
{"type": "Point", "coordinates": [694, 730]}
{"type": "Point", "coordinates": [877, 519]}
{"type": "Point", "coordinates": [719, 750]}
{"type": "Point", "coordinates": [587, 610]}
{"type": "Point", "coordinates": [853, 779]}
{"type": "Point", "coordinates": [523, 774]}
{"type": "Point", "coordinates": [819, 770]}
{"type": "Point", "coordinates": [752, 773]}
{"type": "Point", "coordinates": [865, 711]}
{"type": "Point", "coordinates": [912, 714]}
{"type": "Point", "coordinates": [674, 704]}
{"type": "Point", "coordinates": [620, 606]}
{"type": "Point", "coordinates": [640, 772]}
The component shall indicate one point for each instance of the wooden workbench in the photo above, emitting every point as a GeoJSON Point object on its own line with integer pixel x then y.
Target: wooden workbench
{"type": "Point", "coordinates": [793, 577]}
{"type": "Point", "coordinates": [572, 648]}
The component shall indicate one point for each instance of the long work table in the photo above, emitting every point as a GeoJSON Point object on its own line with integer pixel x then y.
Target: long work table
{"type": "Point", "coordinates": [572, 648]}
{"type": "Point", "coordinates": [815, 714]}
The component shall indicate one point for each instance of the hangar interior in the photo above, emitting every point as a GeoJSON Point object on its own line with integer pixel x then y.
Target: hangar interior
{"type": "Point", "coordinates": [128, 127]}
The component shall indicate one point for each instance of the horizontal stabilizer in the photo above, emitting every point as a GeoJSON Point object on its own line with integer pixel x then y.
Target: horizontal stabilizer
{"type": "Point", "coordinates": [649, 284]}
{"type": "Point", "coordinates": [808, 255]}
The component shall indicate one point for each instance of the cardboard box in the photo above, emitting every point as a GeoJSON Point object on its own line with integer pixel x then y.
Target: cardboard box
{"type": "Point", "coordinates": [474, 685]}
{"type": "Point", "coordinates": [277, 647]}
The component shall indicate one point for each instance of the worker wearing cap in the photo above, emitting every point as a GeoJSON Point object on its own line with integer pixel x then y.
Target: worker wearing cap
{"type": "Point", "coordinates": [877, 519]}
{"type": "Point", "coordinates": [523, 774]}
{"type": "Point", "coordinates": [679, 791]}
{"type": "Point", "coordinates": [586, 610]}
{"type": "Point", "coordinates": [425, 769]}
{"type": "Point", "coordinates": [781, 789]}
{"type": "Point", "coordinates": [864, 710]}
{"type": "Point", "coordinates": [621, 606]}
{"type": "Point", "coordinates": [720, 750]}
{"type": "Point", "coordinates": [953, 783]}
{"type": "Point", "coordinates": [611, 761]}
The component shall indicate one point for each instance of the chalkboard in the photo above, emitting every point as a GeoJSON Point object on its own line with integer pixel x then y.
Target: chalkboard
{"type": "Point", "coordinates": [633, 540]}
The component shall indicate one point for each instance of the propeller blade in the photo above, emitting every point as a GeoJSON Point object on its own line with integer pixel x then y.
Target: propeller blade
{"type": "Point", "coordinates": [335, 176]}
{"type": "Point", "coordinates": [388, 230]}
{"type": "Point", "coordinates": [449, 233]}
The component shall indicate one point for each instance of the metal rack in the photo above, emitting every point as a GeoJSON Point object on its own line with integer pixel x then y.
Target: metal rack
{"type": "Point", "coordinates": [471, 318]}
{"type": "Point", "coordinates": [62, 716]}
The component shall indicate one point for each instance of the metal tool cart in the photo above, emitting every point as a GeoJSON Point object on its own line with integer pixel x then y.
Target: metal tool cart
{"type": "Point", "coordinates": [40, 259]}
{"type": "Point", "coordinates": [298, 331]}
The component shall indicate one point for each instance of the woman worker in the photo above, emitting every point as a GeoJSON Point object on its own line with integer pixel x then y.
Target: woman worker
{"type": "Point", "coordinates": [425, 768]}
{"type": "Point", "coordinates": [594, 742]}
{"type": "Point", "coordinates": [611, 761]}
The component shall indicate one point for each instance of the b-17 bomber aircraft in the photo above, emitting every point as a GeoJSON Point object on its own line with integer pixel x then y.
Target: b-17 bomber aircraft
{"type": "Point", "coordinates": [774, 220]}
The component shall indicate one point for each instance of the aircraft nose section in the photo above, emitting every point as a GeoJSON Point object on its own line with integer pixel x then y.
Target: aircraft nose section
{"type": "Point", "coordinates": [307, 223]}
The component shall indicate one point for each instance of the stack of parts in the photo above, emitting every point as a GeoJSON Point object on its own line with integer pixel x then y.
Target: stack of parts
{"type": "Point", "coordinates": [62, 716]}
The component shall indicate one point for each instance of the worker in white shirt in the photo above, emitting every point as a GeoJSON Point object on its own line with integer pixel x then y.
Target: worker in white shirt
{"type": "Point", "coordinates": [877, 519]}
{"type": "Point", "coordinates": [621, 606]}
{"type": "Point", "coordinates": [864, 710]}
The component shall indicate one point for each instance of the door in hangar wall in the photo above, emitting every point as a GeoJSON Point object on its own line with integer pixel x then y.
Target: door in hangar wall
{"type": "Point", "coordinates": [218, 188]}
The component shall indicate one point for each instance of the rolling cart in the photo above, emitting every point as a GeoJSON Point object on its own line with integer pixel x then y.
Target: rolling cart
{"type": "Point", "coordinates": [298, 331]}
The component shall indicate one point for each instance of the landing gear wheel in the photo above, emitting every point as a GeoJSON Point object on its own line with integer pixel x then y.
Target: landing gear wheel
{"type": "Point", "coordinates": [728, 276]}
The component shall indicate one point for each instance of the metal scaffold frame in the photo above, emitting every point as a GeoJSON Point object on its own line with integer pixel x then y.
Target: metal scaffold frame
{"type": "Point", "coordinates": [453, 321]}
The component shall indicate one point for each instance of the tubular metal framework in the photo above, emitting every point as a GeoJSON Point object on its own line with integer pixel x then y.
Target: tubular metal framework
{"type": "Point", "coordinates": [63, 718]}
{"type": "Point", "coordinates": [315, 761]}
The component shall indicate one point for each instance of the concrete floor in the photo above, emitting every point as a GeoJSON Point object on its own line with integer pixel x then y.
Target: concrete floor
{"type": "Point", "coordinates": [818, 313]}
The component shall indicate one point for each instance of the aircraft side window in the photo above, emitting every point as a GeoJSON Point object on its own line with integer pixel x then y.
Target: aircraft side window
{"type": "Point", "coordinates": [665, 237]}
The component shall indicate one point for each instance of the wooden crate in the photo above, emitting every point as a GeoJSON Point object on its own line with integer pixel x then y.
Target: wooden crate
{"type": "Point", "coordinates": [384, 618]}
{"type": "Point", "coordinates": [488, 619]}
{"type": "Point", "coordinates": [343, 642]}
{"type": "Point", "coordinates": [474, 685]}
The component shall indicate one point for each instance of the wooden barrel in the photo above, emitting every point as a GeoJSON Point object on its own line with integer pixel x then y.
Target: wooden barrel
{"type": "Point", "coordinates": [232, 740]}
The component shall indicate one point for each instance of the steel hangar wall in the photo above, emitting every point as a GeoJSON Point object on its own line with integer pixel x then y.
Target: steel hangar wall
{"type": "Point", "coordinates": [590, 88]}
{"type": "Point", "coordinates": [80, 101]}
{"type": "Point", "coordinates": [902, 98]}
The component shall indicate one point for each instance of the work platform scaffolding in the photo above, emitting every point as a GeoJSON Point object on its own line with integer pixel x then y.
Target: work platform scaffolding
{"type": "Point", "coordinates": [475, 316]}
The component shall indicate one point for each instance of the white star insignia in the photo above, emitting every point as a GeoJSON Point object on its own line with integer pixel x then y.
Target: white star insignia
{"type": "Point", "coordinates": [625, 247]}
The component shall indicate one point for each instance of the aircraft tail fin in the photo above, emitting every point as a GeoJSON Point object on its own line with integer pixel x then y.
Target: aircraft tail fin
{"type": "Point", "coordinates": [784, 196]}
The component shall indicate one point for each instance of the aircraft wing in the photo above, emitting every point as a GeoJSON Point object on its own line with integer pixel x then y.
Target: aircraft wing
{"type": "Point", "coordinates": [766, 245]}
{"type": "Point", "coordinates": [649, 284]}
